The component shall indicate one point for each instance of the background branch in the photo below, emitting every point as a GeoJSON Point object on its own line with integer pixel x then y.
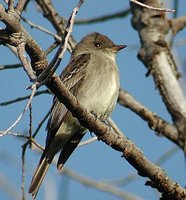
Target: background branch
{"type": "Point", "coordinates": [155, 122]}
{"type": "Point", "coordinates": [104, 18]}
{"type": "Point", "coordinates": [156, 56]}
{"type": "Point", "coordinates": [178, 24]}
{"type": "Point", "coordinates": [100, 185]}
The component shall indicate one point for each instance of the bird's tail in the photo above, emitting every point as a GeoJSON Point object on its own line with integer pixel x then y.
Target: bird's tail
{"type": "Point", "coordinates": [39, 176]}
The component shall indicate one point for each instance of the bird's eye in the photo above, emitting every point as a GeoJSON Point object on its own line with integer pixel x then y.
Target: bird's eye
{"type": "Point", "coordinates": [97, 44]}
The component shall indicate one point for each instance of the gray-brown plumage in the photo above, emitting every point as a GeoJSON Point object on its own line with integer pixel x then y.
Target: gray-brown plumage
{"type": "Point", "coordinates": [92, 77]}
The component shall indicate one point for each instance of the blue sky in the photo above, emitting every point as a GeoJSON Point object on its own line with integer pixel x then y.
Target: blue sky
{"type": "Point", "coordinates": [96, 160]}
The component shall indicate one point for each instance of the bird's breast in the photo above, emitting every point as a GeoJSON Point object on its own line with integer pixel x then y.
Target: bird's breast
{"type": "Point", "coordinates": [99, 92]}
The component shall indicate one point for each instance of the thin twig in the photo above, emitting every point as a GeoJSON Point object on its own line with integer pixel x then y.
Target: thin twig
{"type": "Point", "coordinates": [167, 155]}
{"type": "Point", "coordinates": [23, 172]}
{"type": "Point", "coordinates": [33, 25]}
{"type": "Point", "coordinates": [55, 19]}
{"type": "Point", "coordinates": [5, 103]}
{"type": "Point", "coordinates": [151, 7]}
{"type": "Point", "coordinates": [93, 139]}
{"type": "Point", "coordinates": [155, 122]}
{"type": "Point", "coordinates": [134, 176]}
{"type": "Point", "coordinates": [114, 127]}
{"type": "Point", "coordinates": [11, 5]}
{"type": "Point", "coordinates": [20, 5]}
{"type": "Point", "coordinates": [14, 66]}
{"type": "Point", "coordinates": [34, 87]}
{"type": "Point", "coordinates": [14, 134]}
{"type": "Point", "coordinates": [48, 72]}
{"type": "Point", "coordinates": [24, 148]}
{"type": "Point", "coordinates": [100, 185]}
{"type": "Point", "coordinates": [104, 18]}
{"type": "Point", "coordinates": [30, 121]}
{"type": "Point", "coordinates": [40, 124]}
{"type": "Point", "coordinates": [51, 47]}
{"type": "Point", "coordinates": [22, 56]}
{"type": "Point", "coordinates": [175, 14]}
{"type": "Point", "coordinates": [37, 144]}
{"type": "Point", "coordinates": [178, 24]}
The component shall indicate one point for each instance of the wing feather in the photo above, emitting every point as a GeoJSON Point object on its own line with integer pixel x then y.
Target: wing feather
{"type": "Point", "coordinates": [72, 76]}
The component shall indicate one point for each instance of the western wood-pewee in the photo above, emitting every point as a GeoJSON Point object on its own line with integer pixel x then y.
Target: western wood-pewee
{"type": "Point", "coordinates": [92, 77]}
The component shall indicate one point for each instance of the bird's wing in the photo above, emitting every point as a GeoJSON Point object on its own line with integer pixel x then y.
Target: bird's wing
{"type": "Point", "coordinates": [69, 147]}
{"type": "Point", "coordinates": [72, 76]}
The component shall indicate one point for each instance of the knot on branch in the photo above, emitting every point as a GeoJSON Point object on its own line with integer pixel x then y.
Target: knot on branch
{"type": "Point", "coordinates": [105, 136]}
{"type": "Point", "coordinates": [149, 50]}
{"type": "Point", "coordinates": [157, 177]}
{"type": "Point", "coordinates": [17, 38]}
{"type": "Point", "coordinates": [15, 15]}
{"type": "Point", "coordinates": [40, 66]}
{"type": "Point", "coordinates": [175, 194]}
{"type": "Point", "coordinates": [128, 147]}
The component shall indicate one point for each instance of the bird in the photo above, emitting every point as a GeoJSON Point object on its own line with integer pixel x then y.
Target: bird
{"type": "Point", "coordinates": [92, 77]}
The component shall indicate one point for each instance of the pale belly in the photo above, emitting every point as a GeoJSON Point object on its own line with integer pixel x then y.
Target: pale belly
{"type": "Point", "coordinates": [100, 96]}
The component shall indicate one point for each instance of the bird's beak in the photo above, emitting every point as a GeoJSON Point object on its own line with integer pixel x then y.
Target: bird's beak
{"type": "Point", "coordinates": [117, 48]}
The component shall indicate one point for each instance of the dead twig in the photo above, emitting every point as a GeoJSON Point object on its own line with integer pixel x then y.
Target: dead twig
{"type": "Point", "coordinates": [151, 7]}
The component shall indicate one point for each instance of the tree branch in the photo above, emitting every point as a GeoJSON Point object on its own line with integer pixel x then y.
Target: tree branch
{"type": "Point", "coordinates": [155, 122]}
{"type": "Point", "coordinates": [104, 18]}
{"type": "Point", "coordinates": [178, 24]}
{"type": "Point", "coordinates": [156, 56]}
{"type": "Point", "coordinates": [55, 19]}
{"type": "Point", "coordinates": [100, 185]}
{"type": "Point", "coordinates": [144, 5]}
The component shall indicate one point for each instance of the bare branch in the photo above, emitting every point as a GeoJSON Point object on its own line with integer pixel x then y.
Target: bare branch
{"type": "Point", "coordinates": [5, 103]}
{"type": "Point", "coordinates": [14, 66]}
{"type": "Point", "coordinates": [104, 18]}
{"type": "Point", "coordinates": [56, 20]}
{"type": "Point", "coordinates": [19, 135]}
{"type": "Point", "coordinates": [155, 122]}
{"type": "Point", "coordinates": [93, 139]}
{"type": "Point", "coordinates": [25, 109]}
{"type": "Point", "coordinates": [134, 176]}
{"type": "Point", "coordinates": [167, 155]}
{"type": "Point", "coordinates": [63, 46]}
{"type": "Point", "coordinates": [11, 5]}
{"type": "Point", "coordinates": [21, 42]}
{"type": "Point", "coordinates": [20, 6]}
{"type": "Point", "coordinates": [115, 128]}
{"type": "Point", "coordinates": [103, 186]}
{"type": "Point", "coordinates": [32, 141]}
{"type": "Point", "coordinates": [178, 24]}
{"type": "Point", "coordinates": [40, 124]}
{"type": "Point", "coordinates": [44, 30]}
{"type": "Point", "coordinates": [156, 56]}
{"type": "Point", "coordinates": [51, 47]}
{"type": "Point", "coordinates": [151, 7]}
{"type": "Point", "coordinates": [23, 172]}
